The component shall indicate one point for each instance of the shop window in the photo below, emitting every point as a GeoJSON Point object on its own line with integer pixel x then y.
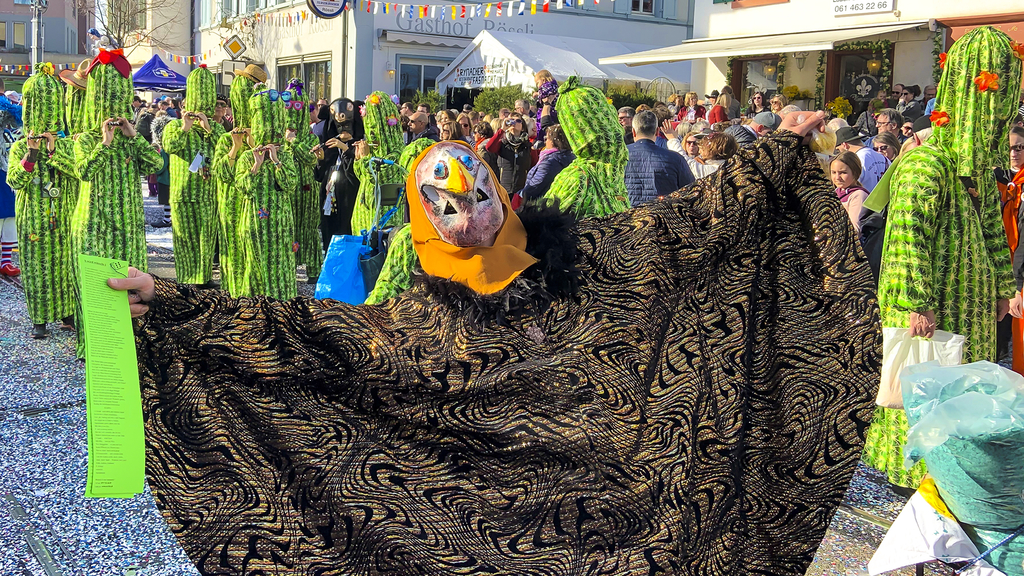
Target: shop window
{"type": "Point", "coordinates": [315, 77]}
{"type": "Point", "coordinates": [286, 73]}
{"type": "Point", "coordinates": [413, 77]}
{"type": "Point", "coordinates": [318, 80]}
{"type": "Point", "coordinates": [755, 75]}
{"type": "Point", "coordinates": [643, 6]}
{"type": "Point", "coordinates": [856, 76]}
{"type": "Point", "coordinates": [3, 35]}
{"type": "Point", "coordinates": [19, 36]}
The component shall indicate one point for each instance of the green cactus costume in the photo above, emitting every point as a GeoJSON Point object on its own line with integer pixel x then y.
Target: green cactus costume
{"type": "Point", "coordinates": [594, 183]}
{"type": "Point", "coordinates": [234, 276]}
{"type": "Point", "coordinates": [306, 206]}
{"type": "Point", "coordinates": [384, 134]}
{"type": "Point", "coordinates": [266, 201]}
{"type": "Point", "coordinates": [940, 253]}
{"type": "Point", "coordinates": [194, 194]}
{"type": "Point", "coordinates": [44, 202]}
{"type": "Point", "coordinates": [396, 274]}
{"type": "Point", "coordinates": [74, 110]}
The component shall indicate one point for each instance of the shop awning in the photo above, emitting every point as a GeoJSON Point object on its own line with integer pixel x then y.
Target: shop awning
{"type": "Point", "coordinates": [500, 58]}
{"type": "Point", "coordinates": [425, 39]}
{"type": "Point", "coordinates": [761, 44]}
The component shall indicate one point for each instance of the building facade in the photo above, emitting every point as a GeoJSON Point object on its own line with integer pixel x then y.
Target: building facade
{"type": "Point", "coordinates": [854, 68]}
{"type": "Point", "coordinates": [363, 51]}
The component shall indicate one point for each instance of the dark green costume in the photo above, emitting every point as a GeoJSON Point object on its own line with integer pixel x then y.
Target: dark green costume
{"type": "Point", "coordinates": [396, 275]}
{"type": "Point", "coordinates": [942, 254]}
{"type": "Point", "coordinates": [384, 134]}
{"type": "Point", "coordinates": [234, 275]}
{"type": "Point", "coordinates": [194, 194]}
{"type": "Point", "coordinates": [266, 201]}
{"type": "Point", "coordinates": [44, 202]}
{"type": "Point", "coordinates": [594, 183]}
{"type": "Point", "coordinates": [306, 207]}
{"type": "Point", "coordinates": [108, 220]}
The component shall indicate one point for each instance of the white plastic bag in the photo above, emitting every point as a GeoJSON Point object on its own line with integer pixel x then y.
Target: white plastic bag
{"type": "Point", "coordinates": [900, 349]}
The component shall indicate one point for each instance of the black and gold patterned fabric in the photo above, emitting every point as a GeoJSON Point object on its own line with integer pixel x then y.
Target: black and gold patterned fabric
{"type": "Point", "coordinates": [697, 406]}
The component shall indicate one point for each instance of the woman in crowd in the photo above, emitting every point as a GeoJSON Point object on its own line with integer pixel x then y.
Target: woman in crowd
{"type": "Point", "coordinates": [845, 171]}
{"type": "Point", "coordinates": [866, 122]}
{"type": "Point", "coordinates": [778, 102]}
{"type": "Point", "coordinates": [689, 109]}
{"type": "Point", "coordinates": [445, 116]}
{"type": "Point", "coordinates": [715, 149]}
{"type": "Point", "coordinates": [556, 155]}
{"type": "Point", "coordinates": [511, 147]}
{"type": "Point", "coordinates": [483, 132]}
{"type": "Point", "coordinates": [720, 111]}
{"type": "Point", "coordinates": [465, 125]}
{"type": "Point", "coordinates": [758, 103]}
{"type": "Point", "coordinates": [887, 145]}
{"type": "Point", "coordinates": [909, 106]}
{"type": "Point", "coordinates": [448, 130]}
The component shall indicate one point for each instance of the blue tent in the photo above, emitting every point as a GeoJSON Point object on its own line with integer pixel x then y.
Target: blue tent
{"type": "Point", "coordinates": [155, 75]}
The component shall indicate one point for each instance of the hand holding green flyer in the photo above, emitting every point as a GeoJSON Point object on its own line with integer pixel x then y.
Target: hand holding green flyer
{"type": "Point", "coordinates": [117, 452]}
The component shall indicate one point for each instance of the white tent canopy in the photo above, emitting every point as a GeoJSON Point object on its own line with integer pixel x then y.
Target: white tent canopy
{"type": "Point", "coordinates": [500, 58]}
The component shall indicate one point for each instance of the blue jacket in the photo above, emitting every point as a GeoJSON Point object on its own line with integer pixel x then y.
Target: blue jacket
{"type": "Point", "coordinates": [540, 177]}
{"type": "Point", "coordinates": [653, 171]}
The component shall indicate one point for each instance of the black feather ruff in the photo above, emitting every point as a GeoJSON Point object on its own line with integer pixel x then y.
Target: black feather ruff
{"type": "Point", "coordinates": [551, 239]}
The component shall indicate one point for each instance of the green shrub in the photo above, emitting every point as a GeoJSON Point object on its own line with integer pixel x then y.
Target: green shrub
{"type": "Point", "coordinates": [431, 98]}
{"type": "Point", "coordinates": [629, 97]}
{"type": "Point", "coordinates": [490, 100]}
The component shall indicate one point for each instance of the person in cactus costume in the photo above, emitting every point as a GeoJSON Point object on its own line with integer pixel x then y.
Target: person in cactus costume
{"type": "Point", "coordinates": [42, 174]}
{"type": "Point", "coordinates": [396, 274]}
{"type": "Point", "coordinates": [306, 207]}
{"type": "Point", "coordinates": [191, 141]}
{"type": "Point", "coordinates": [383, 140]}
{"type": "Point", "coordinates": [594, 183]}
{"type": "Point", "coordinates": [265, 177]}
{"type": "Point", "coordinates": [946, 263]}
{"type": "Point", "coordinates": [110, 158]}
{"type": "Point", "coordinates": [74, 98]}
{"type": "Point", "coordinates": [234, 277]}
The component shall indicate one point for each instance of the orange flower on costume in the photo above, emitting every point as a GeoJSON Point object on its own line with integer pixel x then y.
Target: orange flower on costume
{"type": "Point", "coordinates": [1018, 50]}
{"type": "Point", "coordinates": [987, 81]}
{"type": "Point", "coordinates": [942, 60]}
{"type": "Point", "coordinates": [939, 119]}
{"type": "Point", "coordinates": [373, 99]}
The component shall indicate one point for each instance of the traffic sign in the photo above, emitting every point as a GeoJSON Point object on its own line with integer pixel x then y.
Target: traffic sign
{"type": "Point", "coordinates": [234, 47]}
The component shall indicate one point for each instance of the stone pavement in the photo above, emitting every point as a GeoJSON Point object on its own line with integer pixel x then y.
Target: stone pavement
{"type": "Point", "coordinates": [47, 528]}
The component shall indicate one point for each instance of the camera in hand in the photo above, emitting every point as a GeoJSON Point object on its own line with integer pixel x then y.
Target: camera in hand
{"type": "Point", "coordinates": [115, 123]}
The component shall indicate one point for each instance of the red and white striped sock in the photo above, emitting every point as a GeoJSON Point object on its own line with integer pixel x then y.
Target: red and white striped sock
{"type": "Point", "coordinates": [6, 248]}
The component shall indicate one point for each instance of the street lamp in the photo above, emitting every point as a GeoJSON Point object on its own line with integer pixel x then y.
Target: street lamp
{"type": "Point", "coordinates": [391, 71]}
{"type": "Point", "coordinates": [800, 58]}
{"type": "Point", "coordinates": [38, 7]}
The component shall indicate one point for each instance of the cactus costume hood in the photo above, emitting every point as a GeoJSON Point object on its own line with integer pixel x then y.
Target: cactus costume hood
{"type": "Point", "coordinates": [689, 396]}
{"type": "Point", "coordinates": [42, 102]}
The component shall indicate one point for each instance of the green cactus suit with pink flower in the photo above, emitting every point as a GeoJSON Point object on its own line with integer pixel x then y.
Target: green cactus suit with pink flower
{"type": "Point", "coordinates": [384, 135]}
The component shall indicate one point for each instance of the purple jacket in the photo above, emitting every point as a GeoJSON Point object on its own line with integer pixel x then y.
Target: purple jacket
{"type": "Point", "coordinates": [540, 177]}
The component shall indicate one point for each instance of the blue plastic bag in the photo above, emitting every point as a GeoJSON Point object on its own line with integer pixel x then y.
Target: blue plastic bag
{"type": "Point", "coordinates": [341, 278]}
{"type": "Point", "coordinates": [967, 422]}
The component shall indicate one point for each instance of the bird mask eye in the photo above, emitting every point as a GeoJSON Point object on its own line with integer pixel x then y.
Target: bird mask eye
{"type": "Point", "coordinates": [459, 195]}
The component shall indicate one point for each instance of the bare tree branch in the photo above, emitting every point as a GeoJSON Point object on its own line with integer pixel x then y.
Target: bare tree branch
{"type": "Point", "coordinates": [133, 23]}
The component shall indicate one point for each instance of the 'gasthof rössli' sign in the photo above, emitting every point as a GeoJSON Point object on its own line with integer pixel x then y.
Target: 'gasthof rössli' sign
{"type": "Point", "coordinates": [468, 27]}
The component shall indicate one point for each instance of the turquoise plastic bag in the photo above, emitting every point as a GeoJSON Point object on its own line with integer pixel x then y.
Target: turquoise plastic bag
{"type": "Point", "coordinates": [967, 422]}
{"type": "Point", "coordinates": [341, 278]}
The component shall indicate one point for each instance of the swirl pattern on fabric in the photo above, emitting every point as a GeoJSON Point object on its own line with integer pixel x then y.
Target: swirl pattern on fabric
{"type": "Point", "coordinates": [698, 407]}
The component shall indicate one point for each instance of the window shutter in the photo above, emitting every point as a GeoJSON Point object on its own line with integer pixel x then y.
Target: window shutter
{"type": "Point", "coordinates": [622, 6]}
{"type": "Point", "coordinates": [669, 9]}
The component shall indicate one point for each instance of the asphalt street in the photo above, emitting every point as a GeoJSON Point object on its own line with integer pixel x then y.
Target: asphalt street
{"type": "Point", "coordinates": [48, 528]}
